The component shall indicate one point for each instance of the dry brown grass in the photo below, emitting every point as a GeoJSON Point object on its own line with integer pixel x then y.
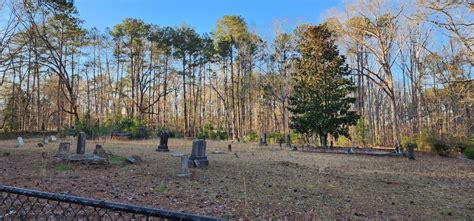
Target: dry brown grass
{"type": "Point", "coordinates": [262, 183]}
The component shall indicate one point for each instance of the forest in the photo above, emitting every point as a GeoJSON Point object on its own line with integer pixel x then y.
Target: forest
{"type": "Point", "coordinates": [410, 63]}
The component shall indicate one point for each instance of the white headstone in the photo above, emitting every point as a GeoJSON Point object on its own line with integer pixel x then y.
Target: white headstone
{"type": "Point", "coordinates": [20, 141]}
{"type": "Point", "coordinates": [53, 138]}
{"type": "Point", "coordinates": [45, 141]}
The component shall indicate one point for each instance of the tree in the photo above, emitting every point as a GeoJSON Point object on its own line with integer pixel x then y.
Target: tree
{"type": "Point", "coordinates": [321, 102]}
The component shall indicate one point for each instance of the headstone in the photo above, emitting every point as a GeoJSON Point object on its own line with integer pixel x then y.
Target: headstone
{"type": "Point", "coordinates": [40, 145]}
{"type": "Point", "coordinates": [288, 140]}
{"type": "Point", "coordinates": [53, 138]}
{"type": "Point", "coordinates": [63, 148]}
{"type": "Point", "coordinates": [293, 148]}
{"type": "Point", "coordinates": [99, 151]}
{"type": "Point", "coordinates": [134, 159]}
{"type": "Point", "coordinates": [177, 154]}
{"type": "Point", "coordinates": [81, 143]}
{"type": "Point", "coordinates": [229, 147]}
{"type": "Point", "coordinates": [20, 141]}
{"type": "Point", "coordinates": [141, 132]}
{"type": "Point", "coordinates": [411, 151]}
{"type": "Point", "coordinates": [163, 147]}
{"type": "Point", "coordinates": [280, 141]}
{"type": "Point", "coordinates": [263, 140]}
{"type": "Point", "coordinates": [198, 155]}
{"type": "Point", "coordinates": [184, 166]}
{"type": "Point", "coordinates": [45, 141]}
{"type": "Point", "coordinates": [397, 147]}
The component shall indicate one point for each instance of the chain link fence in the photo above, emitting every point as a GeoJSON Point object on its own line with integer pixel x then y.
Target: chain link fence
{"type": "Point", "coordinates": [25, 204]}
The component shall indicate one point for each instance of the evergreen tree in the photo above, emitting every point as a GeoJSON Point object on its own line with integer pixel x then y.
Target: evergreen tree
{"type": "Point", "coordinates": [321, 102]}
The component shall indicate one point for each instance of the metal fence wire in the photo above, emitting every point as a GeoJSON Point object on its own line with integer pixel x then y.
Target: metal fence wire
{"type": "Point", "coordinates": [25, 204]}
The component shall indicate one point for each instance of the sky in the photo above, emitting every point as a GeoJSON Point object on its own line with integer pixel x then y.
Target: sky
{"type": "Point", "coordinates": [202, 15]}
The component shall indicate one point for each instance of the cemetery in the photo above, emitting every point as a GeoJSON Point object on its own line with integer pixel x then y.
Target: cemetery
{"type": "Point", "coordinates": [249, 180]}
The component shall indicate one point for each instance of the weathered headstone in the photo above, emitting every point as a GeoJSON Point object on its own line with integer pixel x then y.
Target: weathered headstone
{"type": "Point", "coordinates": [99, 151]}
{"type": "Point", "coordinates": [263, 139]}
{"type": "Point", "coordinates": [288, 140]}
{"type": "Point", "coordinates": [63, 148]}
{"type": "Point", "coordinates": [53, 138]}
{"type": "Point", "coordinates": [163, 147]}
{"type": "Point", "coordinates": [411, 151]}
{"type": "Point", "coordinates": [45, 141]}
{"type": "Point", "coordinates": [397, 147]}
{"type": "Point", "coordinates": [198, 156]}
{"type": "Point", "coordinates": [184, 166]}
{"type": "Point", "coordinates": [134, 159]}
{"type": "Point", "coordinates": [20, 141]}
{"type": "Point", "coordinates": [229, 147]}
{"type": "Point", "coordinates": [81, 143]}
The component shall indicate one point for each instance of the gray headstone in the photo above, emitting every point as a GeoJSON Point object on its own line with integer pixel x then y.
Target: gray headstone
{"type": "Point", "coordinates": [45, 141]}
{"type": "Point", "coordinates": [20, 141]}
{"type": "Point", "coordinates": [81, 143]}
{"type": "Point", "coordinates": [53, 138]}
{"type": "Point", "coordinates": [184, 166]}
{"type": "Point", "coordinates": [163, 147]}
{"type": "Point", "coordinates": [263, 140]}
{"type": "Point", "coordinates": [134, 159]}
{"type": "Point", "coordinates": [229, 147]}
{"type": "Point", "coordinates": [198, 154]}
{"type": "Point", "coordinates": [288, 140]}
{"type": "Point", "coordinates": [411, 151]}
{"type": "Point", "coordinates": [63, 148]}
{"type": "Point", "coordinates": [99, 151]}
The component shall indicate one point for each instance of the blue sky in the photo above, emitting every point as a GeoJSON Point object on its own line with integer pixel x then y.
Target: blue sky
{"type": "Point", "coordinates": [203, 14]}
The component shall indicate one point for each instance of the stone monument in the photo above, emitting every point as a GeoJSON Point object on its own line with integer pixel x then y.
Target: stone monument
{"type": "Point", "coordinates": [81, 143]}
{"type": "Point", "coordinates": [198, 156]}
{"type": "Point", "coordinates": [411, 151]}
{"type": "Point", "coordinates": [263, 139]}
{"type": "Point", "coordinates": [184, 166]}
{"type": "Point", "coordinates": [163, 147]}
{"type": "Point", "coordinates": [20, 141]}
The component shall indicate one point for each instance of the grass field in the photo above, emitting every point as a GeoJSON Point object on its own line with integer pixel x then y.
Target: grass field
{"type": "Point", "coordinates": [261, 183]}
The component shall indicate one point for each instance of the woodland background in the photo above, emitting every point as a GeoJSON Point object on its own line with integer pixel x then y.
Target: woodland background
{"type": "Point", "coordinates": [411, 62]}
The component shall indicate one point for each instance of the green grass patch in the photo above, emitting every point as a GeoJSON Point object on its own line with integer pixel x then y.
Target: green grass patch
{"type": "Point", "coordinates": [162, 188]}
{"type": "Point", "coordinates": [469, 153]}
{"type": "Point", "coordinates": [117, 160]}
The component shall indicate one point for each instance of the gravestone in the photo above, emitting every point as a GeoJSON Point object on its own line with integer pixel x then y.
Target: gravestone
{"type": "Point", "coordinates": [20, 141]}
{"type": "Point", "coordinates": [134, 159]}
{"type": "Point", "coordinates": [397, 147]}
{"type": "Point", "coordinates": [288, 140]}
{"type": "Point", "coordinates": [81, 143]}
{"type": "Point", "coordinates": [184, 166]}
{"type": "Point", "coordinates": [40, 144]}
{"type": "Point", "coordinates": [63, 149]}
{"type": "Point", "coordinates": [53, 138]}
{"type": "Point", "coordinates": [229, 147]}
{"type": "Point", "coordinates": [280, 141]}
{"type": "Point", "coordinates": [411, 151]}
{"type": "Point", "coordinates": [99, 151]}
{"type": "Point", "coordinates": [163, 147]}
{"type": "Point", "coordinates": [45, 141]}
{"type": "Point", "coordinates": [263, 139]}
{"type": "Point", "coordinates": [198, 155]}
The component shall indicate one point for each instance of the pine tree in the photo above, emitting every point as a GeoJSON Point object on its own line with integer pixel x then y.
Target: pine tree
{"type": "Point", "coordinates": [321, 103]}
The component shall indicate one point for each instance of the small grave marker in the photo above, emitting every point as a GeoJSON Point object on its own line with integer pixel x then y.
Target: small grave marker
{"type": "Point", "coordinates": [53, 138]}
{"type": "Point", "coordinates": [20, 141]}
{"type": "Point", "coordinates": [63, 149]}
{"type": "Point", "coordinates": [184, 166]}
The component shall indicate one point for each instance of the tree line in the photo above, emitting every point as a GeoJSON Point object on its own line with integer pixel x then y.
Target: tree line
{"type": "Point", "coordinates": [411, 63]}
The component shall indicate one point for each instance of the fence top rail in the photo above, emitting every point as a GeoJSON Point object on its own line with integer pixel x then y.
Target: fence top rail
{"type": "Point", "coordinates": [105, 204]}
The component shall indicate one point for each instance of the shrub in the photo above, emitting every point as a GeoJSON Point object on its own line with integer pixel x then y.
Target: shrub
{"type": "Point", "coordinates": [409, 139]}
{"type": "Point", "coordinates": [469, 152]}
{"type": "Point", "coordinates": [446, 144]}
{"type": "Point", "coordinates": [252, 137]}
{"type": "Point", "coordinates": [209, 132]}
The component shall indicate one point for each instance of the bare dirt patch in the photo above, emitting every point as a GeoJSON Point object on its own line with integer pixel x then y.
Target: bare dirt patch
{"type": "Point", "coordinates": [261, 183]}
